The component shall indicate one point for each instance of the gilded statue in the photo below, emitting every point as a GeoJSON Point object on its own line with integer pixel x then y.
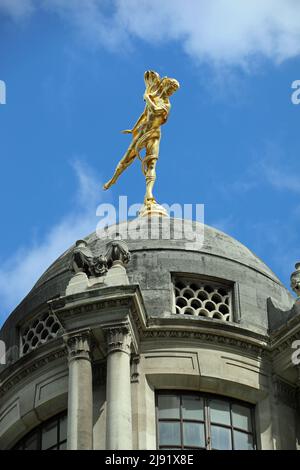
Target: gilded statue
{"type": "Point", "coordinates": [146, 133]}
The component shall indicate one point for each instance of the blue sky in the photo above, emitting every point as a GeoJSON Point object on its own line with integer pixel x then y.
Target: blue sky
{"type": "Point", "coordinates": [74, 78]}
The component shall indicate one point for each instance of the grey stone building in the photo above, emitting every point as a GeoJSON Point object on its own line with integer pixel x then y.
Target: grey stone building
{"type": "Point", "coordinates": [158, 344]}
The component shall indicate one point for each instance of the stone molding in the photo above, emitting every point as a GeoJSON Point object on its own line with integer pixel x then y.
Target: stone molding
{"type": "Point", "coordinates": [134, 368]}
{"type": "Point", "coordinates": [14, 379]}
{"type": "Point", "coordinates": [281, 344]}
{"type": "Point", "coordinates": [154, 329]}
{"type": "Point", "coordinates": [285, 392]}
{"type": "Point", "coordinates": [118, 338]}
{"type": "Point", "coordinates": [79, 345]}
{"type": "Point", "coordinates": [207, 337]}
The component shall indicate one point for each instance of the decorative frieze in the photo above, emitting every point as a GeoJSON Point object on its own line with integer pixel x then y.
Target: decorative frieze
{"type": "Point", "coordinates": [90, 307]}
{"type": "Point", "coordinates": [26, 371]}
{"type": "Point", "coordinates": [207, 337]}
{"type": "Point", "coordinates": [285, 392]}
{"type": "Point", "coordinates": [278, 346]}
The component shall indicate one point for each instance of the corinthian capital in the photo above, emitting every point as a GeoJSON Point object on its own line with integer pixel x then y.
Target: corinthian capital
{"type": "Point", "coordinates": [78, 344]}
{"type": "Point", "coordinates": [118, 338]}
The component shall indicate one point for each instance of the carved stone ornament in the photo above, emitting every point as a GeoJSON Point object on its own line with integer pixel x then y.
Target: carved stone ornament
{"type": "Point", "coordinates": [117, 250]}
{"type": "Point", "coordinates": [118, 339]}
{"type": "Point", "coordinates": [83, 261]}
{"type": "Point", "coordinates": [295, 280]}
{"type": "Point", "coordinates": [79, 345]}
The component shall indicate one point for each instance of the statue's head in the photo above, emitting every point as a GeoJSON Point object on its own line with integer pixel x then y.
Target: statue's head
{"type": "Point", "coordinates": [169, 85]}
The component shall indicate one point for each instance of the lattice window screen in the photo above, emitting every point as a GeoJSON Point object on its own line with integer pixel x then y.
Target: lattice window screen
{"type": "Point", "coordinates": [202, 298]}
{"type": "Point", "coordinates": [39, 331]}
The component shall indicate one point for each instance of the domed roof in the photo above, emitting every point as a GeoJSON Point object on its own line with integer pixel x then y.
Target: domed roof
{"type": "Point", "coordinates": [214, 242]}
{"type": "Point", "coordinates": [166, 248]}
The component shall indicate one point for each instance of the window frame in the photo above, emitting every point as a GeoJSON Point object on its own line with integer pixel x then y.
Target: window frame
{"type": "Point", "coordinates": [216, 282]}
{"type": "Point", "coordinates": [207, 397]}
{"type": "Point", "coordinates": [38, 432]}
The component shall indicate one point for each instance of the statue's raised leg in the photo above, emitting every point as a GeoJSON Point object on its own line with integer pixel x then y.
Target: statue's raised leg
{"type": "Point", "coordinates": [128, 158]}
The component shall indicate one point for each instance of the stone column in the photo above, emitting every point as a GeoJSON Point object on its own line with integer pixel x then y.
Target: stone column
{"type": "Point", "coordinates": [118, 391]}
{"type": "Point", "coordinates": [80, 397]}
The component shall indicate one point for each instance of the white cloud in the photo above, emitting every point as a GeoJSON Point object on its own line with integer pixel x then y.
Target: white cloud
{"type": "Point", "coordinates": [221, 32]}
{"type": "Point", "coordinates": [281, 178]}
{"type": "Point", "coordinates": [271, 166]}
{"type": "Point", "coordinates": [17, 8]}
{"type": "Point", "coordinates": [19, 272]}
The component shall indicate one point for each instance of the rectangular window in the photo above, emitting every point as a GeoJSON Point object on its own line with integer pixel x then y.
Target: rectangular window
{"type": "Point", "coordinates": [49, 435]}
{"type": "Point", "coordinates": [200, 421]}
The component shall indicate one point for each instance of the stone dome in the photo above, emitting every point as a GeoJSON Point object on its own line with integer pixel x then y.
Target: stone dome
{"type": "Point", "coordinates": [141, 310]}
{"type": "Point", "coordinates": [155, 261]}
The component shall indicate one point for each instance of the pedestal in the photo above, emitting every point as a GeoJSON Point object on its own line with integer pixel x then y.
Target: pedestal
{"type": "Point", "coordinates": [153, 209]}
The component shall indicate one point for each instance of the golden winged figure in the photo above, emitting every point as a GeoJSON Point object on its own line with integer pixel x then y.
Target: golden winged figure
{"type": "Point", "coordinates": [146, 132]}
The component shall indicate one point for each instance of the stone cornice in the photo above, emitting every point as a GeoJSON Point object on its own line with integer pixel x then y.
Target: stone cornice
{"type": "Point", "coordinates": [172, 326]}
{"type": "Point", "coordinates": [29, 364]}
{"type": "Point", "coordinates": [285, 392]}
{"type": "Point", "coordinates": [96, 299]}
{"type": "Point", "coordinates": [256, 349]}
{"type": "Point", "coordinates": [283, 338]}
{"type": "Point", "coordinates": [101, 304]}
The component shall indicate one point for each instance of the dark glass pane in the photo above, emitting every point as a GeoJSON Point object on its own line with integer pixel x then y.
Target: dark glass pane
{"type": "Point", "coordinates": [49, 435]}
{"type": "Point", "coordinates": [242, 441]}
{"type": "Point", "coordinates": [193, 434]}
{"type": "Point", "coordinates": [31, 443]}
{"type": "Point", "coordinates": [192, 407]}
{"type": "Point", "coordinates": [241, 417]}
{"type": "Point", "coordinates": [169, 433]}
{"type": "Point", "coordinates": [63, 446]}
{"type": "Point", "coordinates": [63, 428]}
{"type": "Point", "coordinates": [219, 411]}
{"type": "Point", "coordinates": [220, 438]}
{"type": "Point", "coordinates": [168, 406]}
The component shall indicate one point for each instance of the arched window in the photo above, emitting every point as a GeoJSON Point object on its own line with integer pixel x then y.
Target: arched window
{"type": "Point", "coordinates": [199, 421]}
{"type": "Point", "coordinates": [49, 435]}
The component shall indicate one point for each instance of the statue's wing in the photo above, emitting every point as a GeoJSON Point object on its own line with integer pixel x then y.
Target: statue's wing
{"type": "Point", "coordinates": [152, 81]}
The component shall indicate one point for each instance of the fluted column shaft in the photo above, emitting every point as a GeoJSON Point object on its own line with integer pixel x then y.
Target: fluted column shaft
{"type": "Point", "coordinates": [119, 412]}
{"type": "Point", "coordinates": [80, 397]}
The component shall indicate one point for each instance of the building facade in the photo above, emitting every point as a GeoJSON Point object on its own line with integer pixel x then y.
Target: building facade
{"type": "Point", "coordinates": [152, 342]}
